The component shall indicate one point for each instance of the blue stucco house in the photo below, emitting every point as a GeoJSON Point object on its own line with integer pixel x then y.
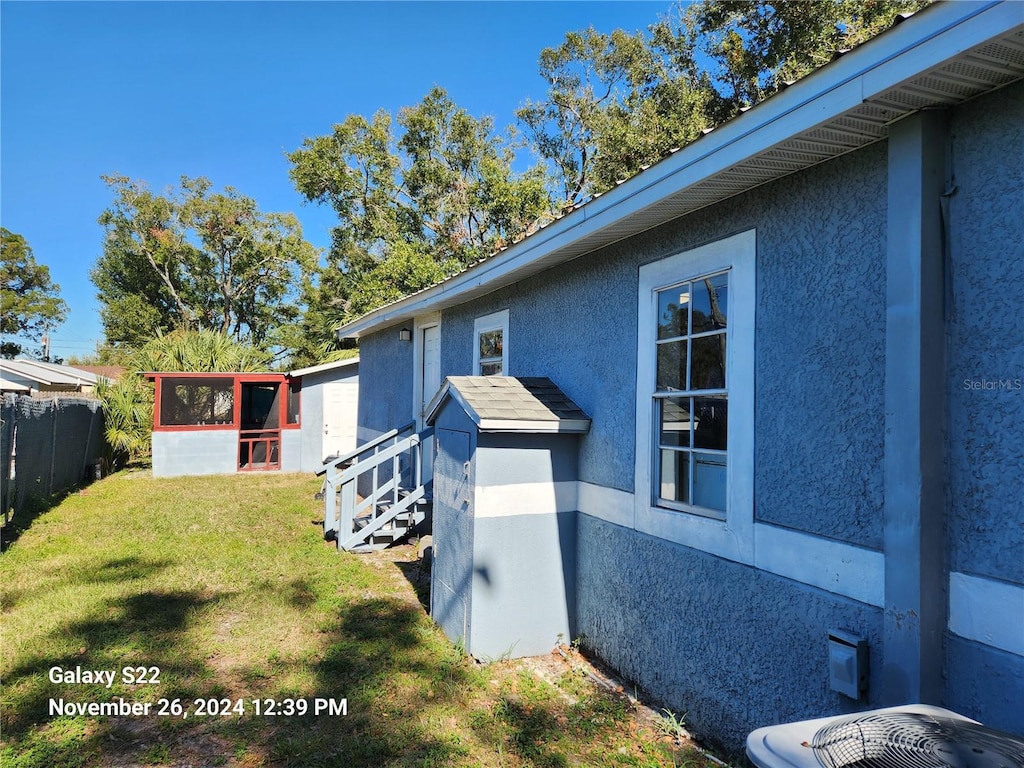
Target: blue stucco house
{"type": "Point", "coordinates": [800, 345]}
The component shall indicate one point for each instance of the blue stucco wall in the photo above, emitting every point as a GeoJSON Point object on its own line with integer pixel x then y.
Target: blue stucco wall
{"type": "Point", "coordinates": [820, 348]}
{"type": "Point", "coordinates": [733, 647]}
{"type": "Point", "coordinates": [385, 380]}
{"type": "Point", "coordinates": [819, 342]}
{"type": "Point", "coordinates": [577, 326]}
{"type": "Point", "coordinates": [985, 683]}
{"type": "Point", "coordinates": [986, 339]}
{"type": "Point", "coordinates": [985, 389]}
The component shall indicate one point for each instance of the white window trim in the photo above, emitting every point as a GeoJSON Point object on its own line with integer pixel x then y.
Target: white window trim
{"type": "Point", "coordinates": [493, 322]}
{"type": "Point", "coordinates": [418, 325]}
{"type": "Point", "coordinates": [732, 538]}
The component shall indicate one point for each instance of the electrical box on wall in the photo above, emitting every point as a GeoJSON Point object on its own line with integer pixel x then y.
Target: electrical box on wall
{"type": "Point", "coordinates": [847, 663]}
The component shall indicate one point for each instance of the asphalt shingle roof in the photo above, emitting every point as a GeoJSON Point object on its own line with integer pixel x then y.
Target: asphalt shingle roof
{"type": "Point", "coordinates": [525, 400]}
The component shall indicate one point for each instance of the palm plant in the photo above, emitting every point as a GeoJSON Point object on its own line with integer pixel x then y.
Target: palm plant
{"type": "Point", "coordinates": [128, 402]}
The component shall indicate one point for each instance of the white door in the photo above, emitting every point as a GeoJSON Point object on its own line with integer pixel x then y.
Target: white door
{"type": "Point", "coordinates": [341, 402]}
{"type": "Point", "coordinates": [431, 373]}
{"type": "Point", "coordinates": [431, 365]}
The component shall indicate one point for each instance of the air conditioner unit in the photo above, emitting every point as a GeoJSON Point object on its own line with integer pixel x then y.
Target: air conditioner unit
{"type": "Point", "coordinates": [913, 736]}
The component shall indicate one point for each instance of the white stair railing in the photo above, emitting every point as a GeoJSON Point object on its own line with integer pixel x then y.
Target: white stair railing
{"type": "Point", "coordinates": [392, 496]}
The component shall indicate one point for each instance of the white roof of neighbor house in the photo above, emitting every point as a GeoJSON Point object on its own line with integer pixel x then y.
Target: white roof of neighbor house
{"type": "Point", "coordinates": [49, 374]}
{"type": "Point", "coordinates": [11, 386]}
{"type": "Point", "coordinates": [86, 377]}
{"type": "Point", "coordinates": [324, 367]}
{"type": "Point", "coordinates": [943, 55]}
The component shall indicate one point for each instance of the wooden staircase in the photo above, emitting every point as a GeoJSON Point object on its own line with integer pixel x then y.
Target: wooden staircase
{"type": "Point", "coordinates": [378, 494]}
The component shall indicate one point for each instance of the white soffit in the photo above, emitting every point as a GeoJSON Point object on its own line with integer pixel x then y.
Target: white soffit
{"type": "Point", "coordinates": [944, 55]}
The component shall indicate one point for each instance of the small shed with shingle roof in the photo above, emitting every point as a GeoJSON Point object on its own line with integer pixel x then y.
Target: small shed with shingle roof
{"type": "Point", "coordinates": [505, 506]}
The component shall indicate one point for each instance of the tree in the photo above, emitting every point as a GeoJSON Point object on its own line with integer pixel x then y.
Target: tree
{"type": "Point", "coordinates": [755, 47]}
{"type": "Point", "coordinates": [128, 402]}
{"type": "Point", "coordinates": [31, 305]}
{"type": "Point", "coordinates": [192, 259]}
{"type": "Point", "coordinates": [594, 81]}
{"type": "Point", "coordinates": [619, 102]}
{"type": "Point", "coordinates": [418, 197]}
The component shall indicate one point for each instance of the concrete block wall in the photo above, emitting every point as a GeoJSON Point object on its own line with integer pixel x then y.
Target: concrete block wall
{"type": "Point", "coordinates": [212, 452]}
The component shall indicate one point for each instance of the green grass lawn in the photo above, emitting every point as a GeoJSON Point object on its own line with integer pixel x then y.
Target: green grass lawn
{"type": "Point", "coordinates": [224, 585]}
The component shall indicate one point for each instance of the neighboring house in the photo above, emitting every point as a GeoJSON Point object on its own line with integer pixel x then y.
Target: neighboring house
{"type": "Point", "coordinates": [221, 423]}
{"type": "Point", "coordinates": [330, 398]}
{"type": "Point", "coordinates": [800, 344]}
{"type": "Point", "coordinates": [16, 388]}
{"type": "Point", "coordinates": [111, 372]}
{"type": "Point", "coordinates": [46, 378]}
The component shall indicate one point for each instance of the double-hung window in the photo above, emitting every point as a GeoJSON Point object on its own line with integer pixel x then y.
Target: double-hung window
{"type": "Point", "coordinates": [691, 398]}
{"type": "Point", "coordinates": [490, 351]}
{"type": "Point", "coordinates": [695, 397]}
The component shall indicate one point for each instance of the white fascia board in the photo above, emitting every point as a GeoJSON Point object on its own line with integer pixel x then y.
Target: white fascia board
{"type": "Point", "coordinates": [7, 385]}
{"type": "Point", "coordinates": [931, 37]}
{"type": "Point", "coordinates": [68, 371]}
{"type": "Point", "coordinates": [562, 426]}
{"type": "Point", "coordinates": [955, 27]}
{"type": "Point", "coordinates": [323, 367]}
{"type": "Point", "coordinates": [50, 373]}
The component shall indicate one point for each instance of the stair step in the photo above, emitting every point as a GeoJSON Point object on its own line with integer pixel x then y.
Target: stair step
{"type": "Point", "coordinates": [401, 522]}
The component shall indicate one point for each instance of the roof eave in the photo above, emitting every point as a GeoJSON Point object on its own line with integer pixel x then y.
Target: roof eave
{"type": "Point", "coordinates": [323, 367]}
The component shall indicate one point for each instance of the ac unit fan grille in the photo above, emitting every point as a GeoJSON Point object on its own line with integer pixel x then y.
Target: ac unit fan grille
{"type": "Point", "coordinates": [909, 740]}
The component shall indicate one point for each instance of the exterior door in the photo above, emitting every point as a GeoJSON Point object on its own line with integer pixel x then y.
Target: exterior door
{"type": "Point", "coordinates": [341, 402]}
{"type": "Point", "coordinates": [431, 366]}
{"type": "Point", "coordinates": [430, 375]}
{"type": "Point", "coordinates": [452, 576]}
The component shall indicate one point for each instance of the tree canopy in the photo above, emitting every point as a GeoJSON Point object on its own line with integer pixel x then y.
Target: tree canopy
{"type": "Point", "coordinates": [419, 196]}
{"type": "Point", "coordinates": [194, 259]}
{"type": "Point", "coordinates": [618, 102]}
{"type": "Point", "coordinates": [31, 303]}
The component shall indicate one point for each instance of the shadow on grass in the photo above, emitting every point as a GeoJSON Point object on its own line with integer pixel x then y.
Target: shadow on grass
{"type": "Point", "coordinates": [145, 629]}
{"type": "Point", "coordinates": [19, 522]}
{"type": "Point", "coordinates": [393, 672]}
{"type": "Point", "coordinates": [121, 569]}
{"type": "Point", "coordinates": [417, 573]}
{"type": "Point", "coordinates": [531, 729]}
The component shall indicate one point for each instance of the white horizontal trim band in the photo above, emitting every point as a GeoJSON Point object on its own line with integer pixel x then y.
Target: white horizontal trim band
{"type": "Point", "coordinates": [987, 611]}
{"type": "Point", "coordinates": [834, 566]}
{"type": "Point", "coordinates": [518, 499]}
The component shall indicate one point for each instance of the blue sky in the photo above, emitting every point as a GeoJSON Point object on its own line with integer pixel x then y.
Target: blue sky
{"type": "Point", "coordinates": [156, 90]}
